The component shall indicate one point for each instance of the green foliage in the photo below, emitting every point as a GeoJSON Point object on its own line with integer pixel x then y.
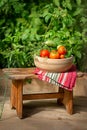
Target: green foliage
{"type": "Point", "coordinates": [25, 27]}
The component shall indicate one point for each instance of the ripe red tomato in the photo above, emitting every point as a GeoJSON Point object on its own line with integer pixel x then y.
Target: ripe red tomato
{"type": "Point", "coordinates": [62, 50]}
{"type": "Point", "coordinates": [44, 53]}
{"type": "Point", "coordinates": [54, 54]}
{"type": "Point", "coordinates": [62, 56]}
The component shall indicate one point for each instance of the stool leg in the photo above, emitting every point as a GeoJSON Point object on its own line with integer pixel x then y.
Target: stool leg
{"type": "Point", "coordinates": [13, 97]}
{"type": "Point", "coordinates": [17, 97]}
{"type": "Point", "coordinates": [68, 101]}
{"type": "Point", "coordinates": [59, 100]}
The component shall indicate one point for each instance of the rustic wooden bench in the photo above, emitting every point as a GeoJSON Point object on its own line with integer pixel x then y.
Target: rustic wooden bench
{"type": "Point", "coordinates": [18, 75]}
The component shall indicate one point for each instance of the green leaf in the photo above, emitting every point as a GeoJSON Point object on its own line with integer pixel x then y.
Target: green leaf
{"type": "Point", "coordinates": [2, 21]}
{"type": "Point", "coordinates": [78, 2]}
{"type": "Point", "coordinates": [78, 54]}
{"type": "Point", "coordinates": [77, 11]}
{"type": "Point", "coordinates": [25, 34]}
{"type": "Point", "coordinates": [56, 2]}
{"type": "Point", "coordinates": [47, 17]}
{"type": "Point", "coordinates": [67, 4]}
{"type": "Point", "coordinates": [37, 37]}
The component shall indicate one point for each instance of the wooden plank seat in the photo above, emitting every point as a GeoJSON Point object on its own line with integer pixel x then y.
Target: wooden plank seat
{"type": "Point", "coordinates": [18, 75]}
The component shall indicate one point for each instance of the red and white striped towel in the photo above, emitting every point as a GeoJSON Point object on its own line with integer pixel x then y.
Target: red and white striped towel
{"type": "Point", "coordinates": [65, 80]}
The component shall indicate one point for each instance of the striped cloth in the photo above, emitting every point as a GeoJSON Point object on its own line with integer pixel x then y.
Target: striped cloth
{"type": "Point", "coordinates": [65, 80]}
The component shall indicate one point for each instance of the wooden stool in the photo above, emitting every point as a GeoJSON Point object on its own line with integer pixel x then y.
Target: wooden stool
{"type": "Point", "coordinates": [18, 75]}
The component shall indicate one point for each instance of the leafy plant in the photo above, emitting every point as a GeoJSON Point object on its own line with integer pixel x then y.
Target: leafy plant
{"type": "Point", "coordinates": [26, 27]}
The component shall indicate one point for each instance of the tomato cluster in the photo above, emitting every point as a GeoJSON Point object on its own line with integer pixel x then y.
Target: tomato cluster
{"type": "Point", "coordinates": [54, 54]}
